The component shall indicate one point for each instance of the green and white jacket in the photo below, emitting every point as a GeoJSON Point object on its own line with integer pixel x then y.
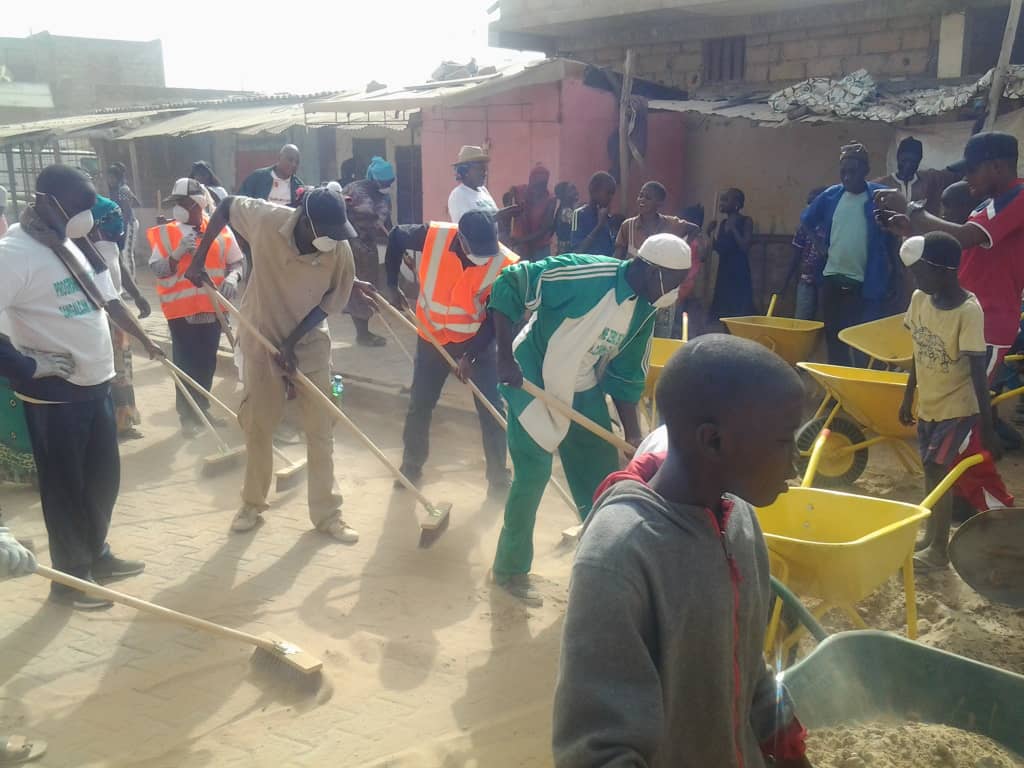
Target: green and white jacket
{"type": "Point", "coordinates": [588, 329]}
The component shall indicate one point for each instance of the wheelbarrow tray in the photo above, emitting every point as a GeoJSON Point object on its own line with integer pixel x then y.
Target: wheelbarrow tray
{"type": "Point", "coordinates": [839, 547]}
{"type": "Point", "coordinates": [661, 351]}
{"type": "Point", "coordinates": [866, 675]}
{"type": "Point", "coordinates": [871, 398]}
{"type": "Point", "coordinates": [792, 340]}
{"type": "Point", "coordinates": [887, 340]}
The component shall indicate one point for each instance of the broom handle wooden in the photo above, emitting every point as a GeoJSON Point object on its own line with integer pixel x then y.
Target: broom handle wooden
{"type": "Point", "coordinates": [224, 448]}
{"type": "Point", "coordinates": [573, 415]}
{"type": "Point", "coordinates": [412, 322]}
{"type": "Point", "coordinates": [326, 401]}
{"type": "Point", "coordinates": [92, 588]}
{"type": "Point", "coordinates": [213, 399]}
{"type": "Point", "coordinates": [224, 324]}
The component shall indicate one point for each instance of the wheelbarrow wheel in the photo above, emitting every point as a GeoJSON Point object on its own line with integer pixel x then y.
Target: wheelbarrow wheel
{"type": "Point", "coordinates": [835, 469]}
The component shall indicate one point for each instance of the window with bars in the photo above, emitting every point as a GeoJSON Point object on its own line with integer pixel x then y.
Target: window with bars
{"type": "Point", "coordinates": [725, 59]}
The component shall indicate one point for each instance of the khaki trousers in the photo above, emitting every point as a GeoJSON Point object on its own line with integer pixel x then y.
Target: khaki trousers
{"type": "Point", "coordinates": [260, 412]}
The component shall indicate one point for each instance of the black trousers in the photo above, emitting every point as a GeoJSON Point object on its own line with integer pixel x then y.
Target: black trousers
{"type": "Point", "coordinates": [842, 306]}
{"type": "Point", "coordinates": [429, 375]}
{"type": "Point", "coordinates": [194, 350]}
{"type": "Point", "coordinates": [75, 448]}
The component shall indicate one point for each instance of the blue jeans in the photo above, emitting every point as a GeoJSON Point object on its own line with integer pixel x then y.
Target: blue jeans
{"type": "Point", "coordinates": [429, 375]}
{"type": "Point", "coordinates": [806, 301]}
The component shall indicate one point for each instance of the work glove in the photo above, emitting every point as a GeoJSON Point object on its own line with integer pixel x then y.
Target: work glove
{"type": "Point", "coordinates": [229, 288]}
{"type": "Point", "coordinates": [185, 247]}
{"type": "Point", "coordinates": [59, 364]}
{"type": "Point", "coordinates": [15, 560]}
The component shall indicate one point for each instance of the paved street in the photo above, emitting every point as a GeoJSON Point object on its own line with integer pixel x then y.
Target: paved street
{"type": "Point", "coordinates": [424, 664]}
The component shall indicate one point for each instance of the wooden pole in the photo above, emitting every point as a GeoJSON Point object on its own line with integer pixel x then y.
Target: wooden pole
{"type": "Point", "coordinates": [999, 73]}
{"type": "Point", "coordinates": [624, 94]}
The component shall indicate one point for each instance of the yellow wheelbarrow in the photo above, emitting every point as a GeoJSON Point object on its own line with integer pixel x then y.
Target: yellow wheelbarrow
{"type": "Point", "coordinates": [661, 351]}
{"type": "Point", "coordinates": [792, 340]}
{"type": "Point", "coordinates": [839, 548]}
{"type": "Point", "coordinates": [886, 341]}
{"type": "Point", "coordinates": [858, 400]}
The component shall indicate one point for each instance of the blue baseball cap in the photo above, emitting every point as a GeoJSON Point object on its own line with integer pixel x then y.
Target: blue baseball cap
{"type": "Point", "coordinates": [481, 233]}
{"type": "Point", "coordinates": [326, 209]}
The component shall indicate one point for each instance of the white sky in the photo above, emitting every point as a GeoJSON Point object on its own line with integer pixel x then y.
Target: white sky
{"type": "Point", "coordinates": [262, 45]}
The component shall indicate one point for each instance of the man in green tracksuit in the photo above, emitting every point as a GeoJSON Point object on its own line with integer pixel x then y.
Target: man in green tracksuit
{"type": "Point", "coordinates": [588, 336]}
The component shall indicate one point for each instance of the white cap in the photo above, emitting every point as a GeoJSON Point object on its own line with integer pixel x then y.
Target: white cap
{"type": "Point", "coordinates": [665, 250]}
{"type": "Point", "coordinates": [912, 250]}
{"type": "Point", "coordinates": [186, 187]}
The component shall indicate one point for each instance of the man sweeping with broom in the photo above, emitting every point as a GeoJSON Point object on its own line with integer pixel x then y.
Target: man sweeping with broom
{"type": "Point", "coordinates": [302, 271]}
{"type": "Point", "coordinates": [458, 267]}
{"type": "Point", "coordinates": [588, 337]}
{"type": "Point", "coordinates": [60, 362]}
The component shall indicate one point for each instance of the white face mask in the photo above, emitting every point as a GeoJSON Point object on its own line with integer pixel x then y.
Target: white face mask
{"type": "Point", "coordinates": [478, 260]}
{"type": "Point", "coordinates": [325, 244]}
{"type": "Point", "coordinates": [180, 214]}
{"type": "Point", "coordinates": [79, 225]}
{"type": "Point", "coordinates": [667, 299]}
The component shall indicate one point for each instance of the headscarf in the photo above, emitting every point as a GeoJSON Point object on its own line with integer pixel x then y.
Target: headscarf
{"type": "Point", "coordinates": [107, 217]}
{"type": "Point", "coordinates": [854, 150]}
{"type": "Point", "coordinates": [910, 144]}
{"type": "Point", "coordinates": [380, 170]}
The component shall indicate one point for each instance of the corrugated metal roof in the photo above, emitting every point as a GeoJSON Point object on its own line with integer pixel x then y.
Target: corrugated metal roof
{"type": "Point", "coordinates": [449, 92]}
{"type": "Point", "coordinates": [61, 126]}
{"type": "Point", "coordinates": [248, 121]}
{"type": "Point", "coordinates": [759, 112]}
{"type": "Point", "coordinates": [252, 121]}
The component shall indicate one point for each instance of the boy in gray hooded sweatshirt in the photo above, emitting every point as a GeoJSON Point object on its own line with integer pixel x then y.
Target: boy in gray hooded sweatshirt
{"type": "Point", "coordinates": [661, 653]}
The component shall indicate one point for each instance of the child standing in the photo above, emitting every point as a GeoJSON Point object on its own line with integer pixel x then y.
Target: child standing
{"type": "Point", "coordinates": [948, 372]}
{"type": "Point", "coordinates": [661, 660]}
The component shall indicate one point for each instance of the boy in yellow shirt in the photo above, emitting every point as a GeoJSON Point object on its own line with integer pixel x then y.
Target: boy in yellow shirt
{"type": "Point", "coordinates": [948, 371]}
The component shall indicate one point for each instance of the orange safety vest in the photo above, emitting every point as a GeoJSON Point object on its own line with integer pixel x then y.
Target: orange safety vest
{"type": "Point", "coordinates": [178, 297]}
{"type": "Point", "coordinates": [453, 298]}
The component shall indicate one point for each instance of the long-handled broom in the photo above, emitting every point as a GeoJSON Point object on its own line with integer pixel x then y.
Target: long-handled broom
{"type": "Point", "coordinates": [437, 517]}
{"type": "Point", "coordinates": [269, 648]}
{"type": "Point", "coordinates": [287, 477]}
{"type": "Point", "coordinates": [412, 323]}
{"type": "Point", "coordinates": [226, 456]}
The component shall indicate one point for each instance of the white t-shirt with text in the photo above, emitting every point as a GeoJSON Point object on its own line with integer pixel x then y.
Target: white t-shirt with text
{"type": "Point", "coordinates": [44, 309]}
{"type": "Point", "coordinates": [463, 199]}
{"type": "Point", "coordinates": [280, 190]}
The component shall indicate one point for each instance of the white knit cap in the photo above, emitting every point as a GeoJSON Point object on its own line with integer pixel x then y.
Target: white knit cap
{"type": "Point", "coordinates": [668, 251]}
{"type": "Point", "coordinates": [912, 250]}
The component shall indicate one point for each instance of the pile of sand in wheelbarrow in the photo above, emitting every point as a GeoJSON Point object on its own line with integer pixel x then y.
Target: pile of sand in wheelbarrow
{"type": "Point", "coordinates": [905, 745]}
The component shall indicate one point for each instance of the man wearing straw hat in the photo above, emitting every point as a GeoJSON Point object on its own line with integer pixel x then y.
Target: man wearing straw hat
{"type": "Point", "coordinates": [303, 271]}
{"type": "Point", "coordinates": [588, 337]}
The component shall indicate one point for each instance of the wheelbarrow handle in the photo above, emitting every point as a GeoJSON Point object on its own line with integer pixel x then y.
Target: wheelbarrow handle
{"type": "Point", "coordinates": [805, 617]}
{"type": "Point", "coordinates": [1007, 395]}
{"type": "Point", "coordinates": [812, 464]}
{"type": "Point", "coordinates": [947, 482]}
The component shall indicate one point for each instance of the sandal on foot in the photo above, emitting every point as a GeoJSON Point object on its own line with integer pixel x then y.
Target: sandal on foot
{"type": "Point", "coordinates": [18, 749]}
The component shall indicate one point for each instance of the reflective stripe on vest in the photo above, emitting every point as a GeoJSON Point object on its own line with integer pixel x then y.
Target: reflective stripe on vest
{"type": "Point", "coordinates": [453, 297]}
{"type": "Point", "coordinates": [178, 297]}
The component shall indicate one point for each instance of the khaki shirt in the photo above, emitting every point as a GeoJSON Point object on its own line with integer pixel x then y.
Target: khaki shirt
{"type": "Point", "coordinates": [285, 285]}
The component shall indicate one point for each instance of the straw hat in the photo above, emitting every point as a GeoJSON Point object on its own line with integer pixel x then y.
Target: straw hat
{"type": "Point", "coordinates": [470, 154]}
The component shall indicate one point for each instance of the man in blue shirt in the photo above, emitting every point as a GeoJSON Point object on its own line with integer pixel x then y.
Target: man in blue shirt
{"type": "Point", "coordinates": [858, 272]}
{"type": "Point", "coordinates": [593, 231]}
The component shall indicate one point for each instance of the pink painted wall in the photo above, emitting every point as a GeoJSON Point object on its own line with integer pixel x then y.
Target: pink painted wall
{"type": "Point", "coordinates": [563, 125]}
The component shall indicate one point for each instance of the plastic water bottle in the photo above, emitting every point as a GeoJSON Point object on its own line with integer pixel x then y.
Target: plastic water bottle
{"type": "Point", "coordinates": [337, 386]}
